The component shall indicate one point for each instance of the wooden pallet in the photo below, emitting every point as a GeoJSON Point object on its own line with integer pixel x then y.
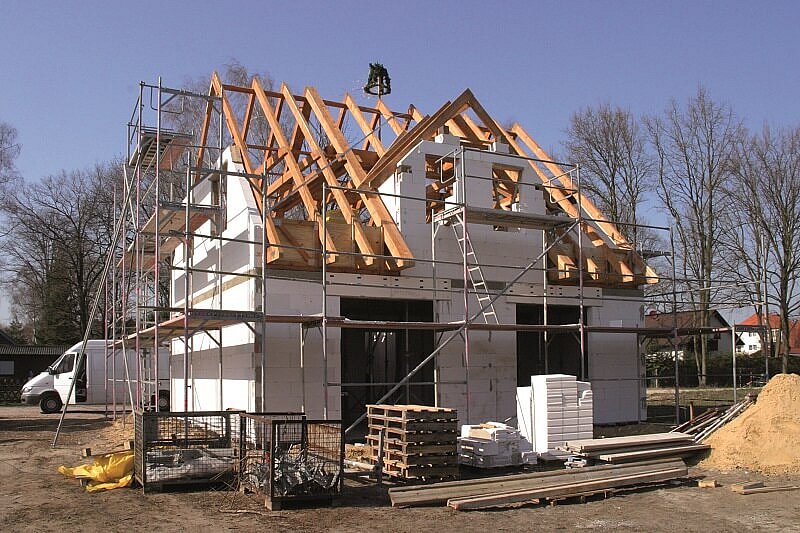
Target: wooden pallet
{"type": "Point", "coordinates": [412, 424]}
{"type": "Point", "coordinates": [421, 472]}
{"type": "Point", "coordinates": [420, 437]}
{"type": "Point", "coordinates": [414, 460]}
{"type": "Point", "coordinates": [412, 412]}
{"type": "Point", "coordinates": [411, 448]}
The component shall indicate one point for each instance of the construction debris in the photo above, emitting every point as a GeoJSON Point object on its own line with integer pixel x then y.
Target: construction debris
{"type": "Point", "coordinates": [508, 490]}
{"type": "Point", "coordinates": [635, 447]}
{"type": "Point", "coordinates": [764, 437]}
{"type": "Point", "coordinates": [418, 442]}
{"type": "Point", "coordinates": [739, 487]}
{"type": "Point", "coordinates": [759, 490]}
{"type": "Point", "coordinates": [302, 473]}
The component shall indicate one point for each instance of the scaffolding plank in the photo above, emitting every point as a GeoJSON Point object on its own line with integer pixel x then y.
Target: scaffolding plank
{"type": "Point", "coordinates": [167, 146]}
{"type": "Point", "coordinates": [208, 319]}
{"type": "Point", "coordinates": [501, 217]}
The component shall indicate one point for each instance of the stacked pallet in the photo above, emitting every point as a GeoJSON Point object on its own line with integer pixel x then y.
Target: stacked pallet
{"type": "Point", "coordinates": [635, 447]}
{"type": "Point", "coordinates": [419, 442]}
{"type": "Point", "coordinates": [552, 485]}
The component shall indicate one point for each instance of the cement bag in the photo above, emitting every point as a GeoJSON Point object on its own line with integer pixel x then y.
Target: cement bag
{"type": "Point", "coordinates": [109, 471]}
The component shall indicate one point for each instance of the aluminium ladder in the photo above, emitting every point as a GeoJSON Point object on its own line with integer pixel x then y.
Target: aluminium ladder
{"type": "Point", "coordinates": [474, 271]}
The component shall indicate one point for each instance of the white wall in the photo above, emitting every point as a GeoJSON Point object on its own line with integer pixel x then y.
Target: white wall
{"type": "Point", "coordinates": [291, 386]}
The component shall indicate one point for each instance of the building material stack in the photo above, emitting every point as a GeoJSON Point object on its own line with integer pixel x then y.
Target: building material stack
{"type": "Point", "coordinates": [493, 445]}
{"type": "Point", "coordinates": [635, 447]}
{"type": "Point", "coordinates": [554, 409]}
{"type": "Point", "coordinates": [551, 486]}
{"type": "Point", "coordinates": [419, 442]}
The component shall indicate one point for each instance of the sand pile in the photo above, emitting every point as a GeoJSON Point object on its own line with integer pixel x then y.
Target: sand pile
{"type": "Point", "coordinates": [766, 437]}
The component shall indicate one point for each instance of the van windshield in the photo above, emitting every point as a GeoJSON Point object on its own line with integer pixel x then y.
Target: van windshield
{"type": "Point", "coordinates": [64, 364]}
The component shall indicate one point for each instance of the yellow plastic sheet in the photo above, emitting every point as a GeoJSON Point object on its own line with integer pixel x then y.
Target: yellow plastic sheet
{"type": "Point", "coordinates": [109, 471]}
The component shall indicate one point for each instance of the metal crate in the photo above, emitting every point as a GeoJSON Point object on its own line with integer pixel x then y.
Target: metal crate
{"type": "Point", "coordinates": [184, 448]}
{"type": "Point", "coordinates": [292, 460]}
{"type": "Point", "coordinates": [254, 441]}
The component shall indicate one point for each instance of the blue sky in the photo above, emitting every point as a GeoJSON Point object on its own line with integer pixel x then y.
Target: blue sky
{"type": "Point", "coordinates": [71, 70]}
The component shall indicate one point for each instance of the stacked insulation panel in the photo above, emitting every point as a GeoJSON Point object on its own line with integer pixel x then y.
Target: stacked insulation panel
{"type": "Point", "coordinates": [554, 409]}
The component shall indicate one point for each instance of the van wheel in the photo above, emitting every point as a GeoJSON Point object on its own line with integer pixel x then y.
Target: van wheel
{"type": "Point", "coordinates": [50, 403]}
{"type": "Point", "coordinates": [163, 401]}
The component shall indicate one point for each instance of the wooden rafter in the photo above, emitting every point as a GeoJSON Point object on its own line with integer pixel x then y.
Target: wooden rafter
{"type": "Point", "coordinates": [299, 163]}
{"type": "Point", "coordinates": [255, 184]}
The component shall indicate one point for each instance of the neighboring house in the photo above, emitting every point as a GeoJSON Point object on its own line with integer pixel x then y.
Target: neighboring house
{"type": "Point", "coordinates": [750, 332]}
{"type": "Point", "coordinates": [718, 342]}
{"type": "Point", "coordinates": [226, 368]}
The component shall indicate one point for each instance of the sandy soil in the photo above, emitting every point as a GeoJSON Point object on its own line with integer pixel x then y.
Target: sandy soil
{"type": "Point", "coordinates": [34, 497]}
{"type": "Point", "coordinates": [772, 424]}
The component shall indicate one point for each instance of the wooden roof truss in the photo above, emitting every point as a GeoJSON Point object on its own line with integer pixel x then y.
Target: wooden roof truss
{"type": "Point", "coordinates": [354, 148]}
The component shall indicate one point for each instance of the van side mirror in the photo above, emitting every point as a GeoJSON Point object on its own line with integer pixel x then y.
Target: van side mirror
{"type": "Point", "coordinates": [51, 370]}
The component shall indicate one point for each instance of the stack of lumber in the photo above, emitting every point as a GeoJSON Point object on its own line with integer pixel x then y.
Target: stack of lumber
{"type": "Point", "coordinates": [702, 426]}
{"type": "Point", "coordinates": [419, 442]}
{"type": "Point", "coordinates": [524, 488]}
{"type": "Point", "coordinates": [635, 447]}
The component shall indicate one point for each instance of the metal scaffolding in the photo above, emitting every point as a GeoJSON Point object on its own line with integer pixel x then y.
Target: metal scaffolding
{"type": "Point", "coordinates": [152, 224]}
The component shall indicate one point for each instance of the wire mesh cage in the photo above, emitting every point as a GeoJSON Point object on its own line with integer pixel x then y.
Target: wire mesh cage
{"type": "Point", "coordinates": [182, 448]}
{"type": "Point", "coordinates": [255, 444]}
{"type": "Point", "coordinates": [287, 457]}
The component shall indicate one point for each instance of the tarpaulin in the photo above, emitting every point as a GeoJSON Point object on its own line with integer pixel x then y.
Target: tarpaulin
{"type": "Point", "coordinates": [109, 471]}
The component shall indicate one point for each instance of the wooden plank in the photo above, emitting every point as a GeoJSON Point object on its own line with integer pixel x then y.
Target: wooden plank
{"type": "Point", "coordinates": [589, 445]}
{"type": "Point", "coordinates": [412, 412]}
{"type": "Point", "coordinates": [380, 215]}
{"type": "Point", "coordinates": [421, 471]}
{"type": "Point", "coordinates": [413, 436]}
{"type": "Point", "coordinates": [411, 447]}
{"type": "Point", "coordinates": [338, 194]}
{"type": "Point", "coordinates": [747, 485]}
{"type": "Point", "coordinates": [294, 168]}
{"type": "Point", "coordinates": [509, 498]}
{"type": "Point", "coordinates": [371, 137]}
{"type": "Point", "coordinates": [439, 493]}
{"type": "Point", "coordinates": [759, 490]}
{"type": "Point", "coordinates": [412, 425]}
{"type": "Point", "coordinates": [230, 119]}
{"type": "Point", "coordinates": [690, 449]}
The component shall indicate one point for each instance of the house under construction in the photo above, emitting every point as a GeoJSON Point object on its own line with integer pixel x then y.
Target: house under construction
{"type": "Point", "coordinates": [330, 254]}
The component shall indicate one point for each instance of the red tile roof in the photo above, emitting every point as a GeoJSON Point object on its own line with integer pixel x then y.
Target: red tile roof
{"type": "Point", "coordinates": [775, 323]}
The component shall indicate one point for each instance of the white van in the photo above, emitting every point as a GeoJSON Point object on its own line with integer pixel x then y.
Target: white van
{"type": "Point", "coordinates": [49, 389]}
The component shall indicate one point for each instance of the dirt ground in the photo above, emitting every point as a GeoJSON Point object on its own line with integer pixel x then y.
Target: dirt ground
{"type": "Point", "coordinates": [35, 497]}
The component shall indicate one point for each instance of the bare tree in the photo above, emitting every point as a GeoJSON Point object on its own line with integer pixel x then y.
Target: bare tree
{"type": "Point", "coordinates": [187, 114]}
{"type": "Point", "coordinates": [767, 185]}
{"type": "Point", "coordinates": [616, 169]}
{"type": "Point", "coordinates": [60, 232]}
{"type": "Point", "coordinates": [9, 150]}
{"type": "Point", "coordinates": [695, 147]}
